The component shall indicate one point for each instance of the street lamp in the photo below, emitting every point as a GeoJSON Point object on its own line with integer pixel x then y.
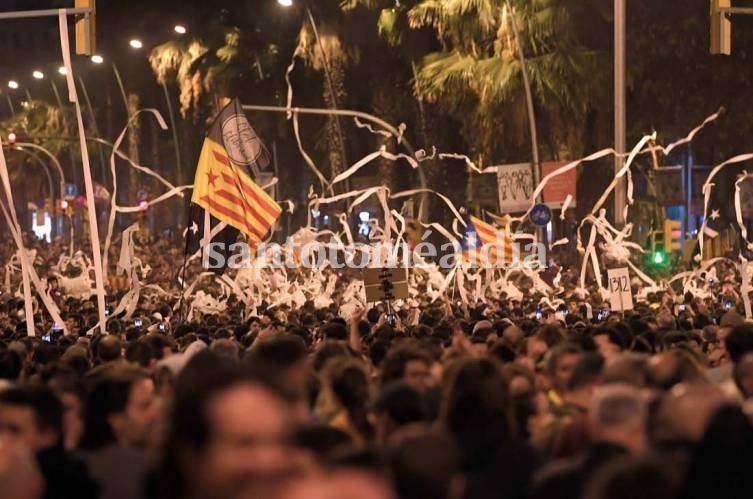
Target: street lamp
{"type": "Point", "coordinates": [180, 29]}
{"type": "Point", "coordinates": [97, 59]}
{"type": "Point", "coordinates": [285, 3]}
{"type": "Point", "coordinates": [38, 75]}
{"type": "Point", "coordinates": [63, 71]}
{"type": "Point", "coordinates": [13, 85]}
{"type": "Point", "coordinates": [135, 43]}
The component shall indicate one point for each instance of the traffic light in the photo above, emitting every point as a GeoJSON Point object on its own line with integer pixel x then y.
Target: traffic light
{"type": "Point", "coordinates": [658, 256]}
{"type": "Point", "coordinates": [672, 235]}
{"type": "Point", "coordinates": [721, 28]}
{"type": "Point", "coordinates": [86, 41]}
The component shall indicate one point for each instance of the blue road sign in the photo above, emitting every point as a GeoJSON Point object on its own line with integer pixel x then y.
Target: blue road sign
{"type": "Point", "coordinates": [540, 215]}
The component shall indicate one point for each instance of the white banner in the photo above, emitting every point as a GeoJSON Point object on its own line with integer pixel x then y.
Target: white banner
{"type": "Point", "coordinates": [515, 187]}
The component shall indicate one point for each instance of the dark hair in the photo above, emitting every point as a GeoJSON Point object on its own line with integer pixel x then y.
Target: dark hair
{"type": "Point", "coordinates": [557, 353]}
{"type": "Point", "coordinates": [139, 352]}
{"type": "Point", "coordinates": [402, 403]}
{"type": "Point", "coordinates": [739, 342]}
{"type": "Point", "coordinates": [108, 395]}
{"type": "Point", "coordinates": [423, 464]}
{"type": "Point", "coordinates": [586, 371]}
{"type": "Point", "coordinates": [350, 386]}
{"type": "Point", "coordinates": [281, 351]}
{"type": "Point", "coordinates": [393, 365]}
{"type": "Point", "coordinates": [10, 365]}
{"type": "Point", "coordinates": [48, 411]}
{"type": "Point", "coordinates": [334, 331]}
{"type": "Point", "coordinates": [477, 409]}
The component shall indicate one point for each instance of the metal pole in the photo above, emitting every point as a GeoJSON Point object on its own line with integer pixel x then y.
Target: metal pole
{"type": "Point", "coordinates": [93, 117]}
{"type": "Point", "coordinates": [173, 127]}
{"type": "Point", "coordinates": [529, 99]}
{"type": "Point", "coordinates": [10, 105]}
{"type": "Point", "coordinates": [28, 94]}
{"type": "Point", "coordinates": [122, 89]}
{"type": "Point", "coordinates": [619, 109]}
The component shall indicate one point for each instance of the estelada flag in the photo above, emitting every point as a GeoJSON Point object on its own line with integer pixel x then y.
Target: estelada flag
{"type": "Point", "coordinates": [223, 185]}
{"type": "Point", "coordinates": [479, 234]}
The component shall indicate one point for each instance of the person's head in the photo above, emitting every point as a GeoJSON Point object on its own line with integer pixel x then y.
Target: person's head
{"type": "Point", "coordinates": [673, 367]}
{"type": "Point", "coordinates": [630, 368]}
{"type": "Point", "coordinates": [140, 353]}
{"type": "Point", "coordinates": [225, 348]}
{"type": "Point", "coordinates": [11, 365]}
{"type": "Point", "coordinates": [425, 464]}
{"type": "Point", "coordinates": [407, 364]}
{"type": "Point", "coordinates": [229, 432]}
{"type": "Point", "coordinates": [109, 348]}
{"type": "Point", "coordinates": [286, 355]}
{"type": "Point", "coordinates": [31, 415]}
{"type": "Point", "coordinates": [618, 416]}
{"type": "Point", "coordinates": [120, 409]}
{"type": "Point", "coordinates": [743, 373]}
{"type": "Point", "coordinates": [584, 379]}
{"type": "Point", "coordinates": [739, 341]}
{"type": "Point", "coordinates": [476, 409]}
{"type": "Point", "coordinates": [349, 384]}
{"type": "Point", "coordinates": [397, 405]}
{"type": "Point", "coordinates": [559, 365]}
{"type": "Point", "coordinates": [162, 345]}
{"type": "Point", "coordinates": [608, 341]}
{"type": "Point", "coordinates": [69, 389]}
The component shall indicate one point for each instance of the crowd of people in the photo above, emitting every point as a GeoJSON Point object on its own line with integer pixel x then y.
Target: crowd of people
{"type": "Point", "coordinates": [439, 399]}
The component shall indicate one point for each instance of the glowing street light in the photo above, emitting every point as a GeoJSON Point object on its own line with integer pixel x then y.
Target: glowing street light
{"type": "Point", "coordinates": [63, 70]}
{"type": "Point", "coordinates": [285, 3]}
{"type": "Point", "coordinates": [135, 44]}
{"type": "Point", "coordinates": [180, 29]}
{"type": "Point", "coordinates": [97, 59]}
{"type": "Point", "coordinates": [38, 75]}
{"type": "Point", "coordinates": [13, 85]}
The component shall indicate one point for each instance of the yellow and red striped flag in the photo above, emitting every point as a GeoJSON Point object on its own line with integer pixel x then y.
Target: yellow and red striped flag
{"type": "Point", "coordinates": [223, 186]}
{"type": "Point", "coordinates": [479, 234]}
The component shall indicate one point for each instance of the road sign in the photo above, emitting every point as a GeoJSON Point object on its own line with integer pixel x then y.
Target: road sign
{"type": "Point", "coordinates": [540, 215]}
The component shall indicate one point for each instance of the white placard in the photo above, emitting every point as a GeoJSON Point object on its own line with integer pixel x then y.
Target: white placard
{"type": "Point", "coordinates": [515, 187]}
{"type": "Point", "coordinates": [621, 296]}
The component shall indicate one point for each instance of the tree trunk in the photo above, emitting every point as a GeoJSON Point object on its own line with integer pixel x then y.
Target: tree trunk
{"type": "Point", "coordinates": [133, 149]}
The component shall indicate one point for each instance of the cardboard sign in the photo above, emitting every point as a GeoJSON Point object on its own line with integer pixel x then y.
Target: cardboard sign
{"type": "Point", "coordinates": [374, 279]}
{"type": "Point", "coordinates": [621, 296]}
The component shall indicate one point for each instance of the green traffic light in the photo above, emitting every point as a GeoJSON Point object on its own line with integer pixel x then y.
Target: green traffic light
{"type": "Point", "coordinates": [658, 258]}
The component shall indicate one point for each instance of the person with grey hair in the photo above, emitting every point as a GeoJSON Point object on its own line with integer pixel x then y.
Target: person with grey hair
{"type": "Point", "coordinates": [617, 419]}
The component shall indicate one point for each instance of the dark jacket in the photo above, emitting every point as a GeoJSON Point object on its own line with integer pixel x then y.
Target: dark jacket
{"type": "Point", "coordinates": [65, 476]}
{"type": "Point", "coordinates": [567, 479]}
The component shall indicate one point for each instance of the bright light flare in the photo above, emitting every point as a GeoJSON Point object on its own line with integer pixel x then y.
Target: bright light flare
{"type": "Point", "coordinates": [97, 59]}
{"type": "Point", "coordinates": [135, 44]}
{"type": "Point", "coordinates": [13, 84]}
{"type": "Point", "coordinates": [38, 75]}
{"type": "Point", "coordinates": [180, 29]}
